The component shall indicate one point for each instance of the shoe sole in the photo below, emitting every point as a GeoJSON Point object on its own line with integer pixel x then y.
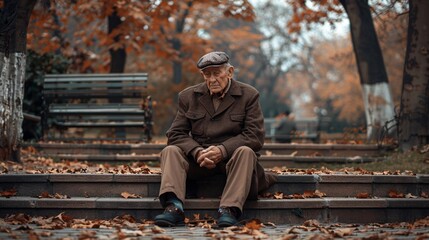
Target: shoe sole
{"type": "Point", "coordinates": [163, 223]}
{"type": "Point", "coordinates": [224, 224]}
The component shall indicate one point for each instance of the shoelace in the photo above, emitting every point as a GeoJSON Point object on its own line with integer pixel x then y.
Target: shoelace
{"type": "Point", "coordinates": [225, 210]}
{"type": "Point", "coordinates": [173, 209]}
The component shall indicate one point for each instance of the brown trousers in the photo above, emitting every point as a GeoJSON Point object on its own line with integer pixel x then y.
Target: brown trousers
{"type": "Point", "coordinates": [240, 169]}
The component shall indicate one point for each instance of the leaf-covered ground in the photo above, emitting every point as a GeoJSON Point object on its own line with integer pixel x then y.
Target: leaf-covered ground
{"type": "Point", "coordinates": [21, 226]}
{"type": "Point", "coordinates": [410, 163]}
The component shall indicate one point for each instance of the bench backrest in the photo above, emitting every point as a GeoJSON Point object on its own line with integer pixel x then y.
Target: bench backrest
{"type": "Point", "coordinates": [306, 127]}
{"type": "Point", "coordinates": [85, 86]}
{"type": "Point", "coordinates": [95, 102]}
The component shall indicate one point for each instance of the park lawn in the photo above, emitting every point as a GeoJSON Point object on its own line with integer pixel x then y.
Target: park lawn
{"type": "Point", "coordinates": [396, 162]}
{"type": "Point", "coordinates": [415, 161]}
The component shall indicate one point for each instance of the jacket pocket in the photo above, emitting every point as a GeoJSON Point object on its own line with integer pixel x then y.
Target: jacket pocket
{"type": "Point", "coordinates": [197, 122]}
{"type": "Point", "coordinates": [237, 123]}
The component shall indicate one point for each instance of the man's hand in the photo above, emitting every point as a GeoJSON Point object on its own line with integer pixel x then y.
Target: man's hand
{"type": "Point", "coordinates": [209, 157]}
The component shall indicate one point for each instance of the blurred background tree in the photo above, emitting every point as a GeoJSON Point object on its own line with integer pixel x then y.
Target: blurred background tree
{"type": "Point", "coordinates": [300, 59]}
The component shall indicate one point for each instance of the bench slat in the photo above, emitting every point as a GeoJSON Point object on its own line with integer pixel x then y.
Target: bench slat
{"type": "Point", "coordinates": [63, 92]}
{"type": "Point", "coordinates": [95, 105]}
{"type": "Point", "coordinates": [94, 77]}
{"type": "Point", "coordinates": [86, 94]}
{"type": "Point", "coordinates": [94, 118]}
{"type": "Point", "coordinates": [124, 85]}
{"type": "Point", "coordinates": [100, 124]}
{"type": "Point", "coordinates": [89, 75]}
{"type": "Point", "coordinates": [96, 111]}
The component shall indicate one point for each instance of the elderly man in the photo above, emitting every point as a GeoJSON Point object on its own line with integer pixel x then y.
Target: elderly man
{"type": "Point", "coordinates": [218, 129]}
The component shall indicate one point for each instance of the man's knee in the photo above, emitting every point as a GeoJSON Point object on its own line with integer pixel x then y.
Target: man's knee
{"type": "Point", "coordinates": [244, 153]}
{"type": "Point", "coordinates": [171, 149]}
{"type": "Point", "coordinates": [245, 150]}
{"type": "Point", "coordinates": [172, 153]}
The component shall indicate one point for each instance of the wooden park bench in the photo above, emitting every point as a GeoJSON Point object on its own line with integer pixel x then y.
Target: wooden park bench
{"type": "Point", "coordinates": [307, 129]}
{"type": "Point", "coordinates": [87, 102]}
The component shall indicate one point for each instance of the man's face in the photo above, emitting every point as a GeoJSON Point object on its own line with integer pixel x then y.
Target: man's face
{"type": "Point", "coordinates": [217, 77]}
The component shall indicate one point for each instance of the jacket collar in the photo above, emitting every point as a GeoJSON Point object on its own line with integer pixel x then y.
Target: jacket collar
{"type": "Point", "coordinates": [234, 89]}
{"type": "Point", "coordinates": [206, 100]}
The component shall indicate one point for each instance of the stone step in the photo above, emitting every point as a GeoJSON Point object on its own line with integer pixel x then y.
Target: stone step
{"type": "Point", "coordinates": [284, 211]}
{"type": "Point", "coordinates": [348, 150]}
{"type": "Point", "coordinates": [267, 161]}
{"type": "Point", "coordinates": [147, 185]}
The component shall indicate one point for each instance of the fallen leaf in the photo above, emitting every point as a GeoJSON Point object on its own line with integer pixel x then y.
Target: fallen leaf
{"type": "Point", "coordinates": [8, 193]}
{"type": "Point", "coordinates": [395, 194]}
{"type": "Point", "coordinates": [362, 195]}
{"type": "Point", "coordinates": [4, 229]}
{"type": "Point", "coordinates": [127, 195]}
{"type": "Point", "coordinates": [254, 224]}
{"type": "Point", "coordinates": [157, 229]}
{"type": "Point", "coordinates": [45, 195]}
{"type": "Point", "coordinates": [88, 234]}
{"type": "Point", "coordinates": [311, 223]}
{"type": "Point", "coordinates": [24, 227]}
{"type": "Point", "coordinates": [19, 218]}
{"type": "Point", "coordinates": [162, 237]}
{"type": "Point", "coordinates": [409, 195]}
{"type": "Point", "coordinates": [294, 153]}
{"type": "Point", "coordinates": [270, 224]}
{"type": "Point", "coordinates": [288, 236]}
{"type": "Point", "coordinates": [278, 195]}
{"type": "Point", "coordinates": [341, 232]}
{"type": "Point", "coordinates": [60, 196]}
{"type": "Point", "coordinates": [319, 194]}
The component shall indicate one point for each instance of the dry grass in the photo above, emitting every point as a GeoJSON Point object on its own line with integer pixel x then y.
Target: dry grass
{"type": "Point", "coordinates": [415, 161]}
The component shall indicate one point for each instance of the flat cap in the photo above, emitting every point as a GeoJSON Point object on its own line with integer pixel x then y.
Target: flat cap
{"type": "Point", "coordinates": [212, 59]}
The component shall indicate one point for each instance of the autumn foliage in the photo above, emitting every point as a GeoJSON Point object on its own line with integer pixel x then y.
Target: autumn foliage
{"type": "Point", "coordinates": [304, 73]}
{"type": "Point", "coordinates": [76, 27]}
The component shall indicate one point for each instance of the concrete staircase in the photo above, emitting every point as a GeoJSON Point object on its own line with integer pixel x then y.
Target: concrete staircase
{"type": "Point", "coordinates": [97, 196]}
{"type": "Point", "coordinates": [382, 198]}
{"type": "Point", "coordinates": [290, 155]}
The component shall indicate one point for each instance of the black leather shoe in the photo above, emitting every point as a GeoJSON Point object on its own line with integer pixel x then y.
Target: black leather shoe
{"type": "Point", "coordinates": [226, 217]}
{"type": "Point", "coordinates": [171, 217]}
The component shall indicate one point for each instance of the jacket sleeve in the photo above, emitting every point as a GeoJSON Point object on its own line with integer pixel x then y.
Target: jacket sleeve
{"type": "Point", "coordinates": [179, 132]}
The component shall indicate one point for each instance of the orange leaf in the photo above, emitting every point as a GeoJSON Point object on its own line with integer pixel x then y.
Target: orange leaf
{"type": "Point", "coordinates": [363, 195]}
{"type": "Point", "coordinates": [8, 193]}
{"type": "Point", "coordinates": [395, 194]}
{"type": "Point", "coordinates": [127, 195]}
{"type": "Point", "coordinates": [45, 195]}
{"type": "Point", "coordinates": [254, 224]}
{"type": "Point", "coordinates": [278, 195]}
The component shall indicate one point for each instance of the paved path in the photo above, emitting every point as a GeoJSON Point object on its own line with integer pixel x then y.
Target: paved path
{"type": "Point", "coordinates": [310, 230]}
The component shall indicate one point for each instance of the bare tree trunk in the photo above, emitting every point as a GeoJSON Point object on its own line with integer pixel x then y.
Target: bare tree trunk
{"type": "Point", "coordinates": [414, 117]}
{"type": "Point", "coordinates": [118, 57]}
{"type": "Point", "coordinates": [14, 19]}
{"type": "Point", "coordinates": [377, 96]}
{"type": "Point", "coordinates": [177, 44]}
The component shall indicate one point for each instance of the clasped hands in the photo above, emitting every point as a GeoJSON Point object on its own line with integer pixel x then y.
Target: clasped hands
{"type": "Point", "coordinates": [209, 157]}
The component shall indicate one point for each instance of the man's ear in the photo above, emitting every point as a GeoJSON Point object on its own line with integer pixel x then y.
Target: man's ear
{"type": "Point", "coordinates": [230, 71]}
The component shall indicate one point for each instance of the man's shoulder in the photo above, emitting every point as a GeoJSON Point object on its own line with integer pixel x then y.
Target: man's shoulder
{"type": "Point", "coordinates": [246, 88]}
{"type": "Point", "coordinates": [192, 89]}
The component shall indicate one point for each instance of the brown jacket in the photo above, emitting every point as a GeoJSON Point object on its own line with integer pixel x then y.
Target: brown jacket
{"type": "Point", "coordinates": [237, 122]}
